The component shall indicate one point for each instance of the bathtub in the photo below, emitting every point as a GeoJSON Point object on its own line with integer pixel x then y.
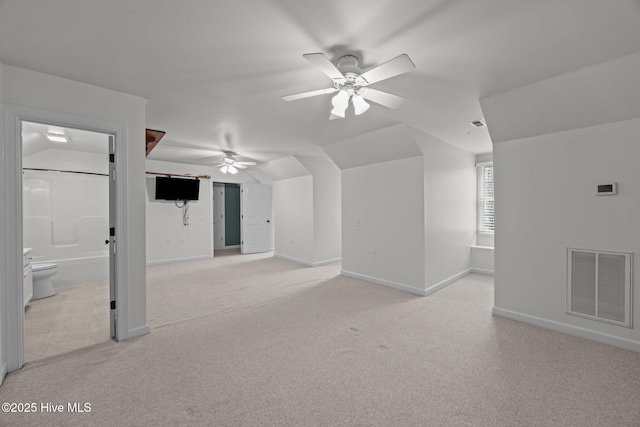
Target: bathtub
{"type": "Point", "coordinates": [76, 271]}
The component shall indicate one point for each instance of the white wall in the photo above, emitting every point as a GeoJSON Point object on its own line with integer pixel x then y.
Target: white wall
{"type": "Point", "coordinates": [3, 240]}
{"type": "Point", "coordinates": [556, 140]}
{"type": "Point", "coordinates": [327, 209]}
{"type": "Point", "coordinates": [450, 206]}
{"type": "Point", "coordinates": [546, 203]}
{"type": "Point", "coordinates": [168, 239]}
{"type": "Point", "coordinates": [388, 201]}
{"type": "Point", "coordinates": [294, 218]}
{"type": "Point", "coordinates": [306, 202]}
{"type": "Point", "coordinates": [44, 92]}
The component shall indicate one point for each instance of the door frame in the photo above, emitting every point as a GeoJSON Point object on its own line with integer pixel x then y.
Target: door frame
{"type": "Point", "coordinates": [214, 186]}
{"type": "Point", "coordinates": [13, 322]}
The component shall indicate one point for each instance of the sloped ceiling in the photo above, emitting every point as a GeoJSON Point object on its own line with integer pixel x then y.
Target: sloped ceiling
{"type": "Point", "coordinates": [602, 93]}
{"type": "Point", "coordinates": [391, 143]}
{"type": "Point", "coordinates": [213, 72]}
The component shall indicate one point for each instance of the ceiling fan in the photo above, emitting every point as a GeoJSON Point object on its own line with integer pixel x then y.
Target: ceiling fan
{"type": "Point", "coordinates": [352, 84]}
{"type": "Point", "coordinates": [229, 164]}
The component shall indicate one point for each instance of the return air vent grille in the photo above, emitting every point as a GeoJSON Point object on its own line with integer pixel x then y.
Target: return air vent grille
{"type": "Point", "coordinates": [599, 286]}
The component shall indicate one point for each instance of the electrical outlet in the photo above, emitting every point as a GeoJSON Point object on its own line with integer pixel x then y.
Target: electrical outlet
{"type": "Point", "coordinates": [168, 241]}
{"type": "Point", "coordinates": [291, 241]}
{"type": "Point", "coordinates": [356, 222]}
{"type": "Point", "coordinates": [373, 252]}
{"type": "Point", "coordinates": [183, 240]}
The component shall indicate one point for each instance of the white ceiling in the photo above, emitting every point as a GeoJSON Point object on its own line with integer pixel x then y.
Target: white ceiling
{"type": "Point", "coordinates": [213, 72]}
{"type": "Point", "coordinates": [34, 140]}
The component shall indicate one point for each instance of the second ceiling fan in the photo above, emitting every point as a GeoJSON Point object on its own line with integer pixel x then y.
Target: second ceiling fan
{"type": "Point", "coordinates": [229, 164]}
{"type": "Point", "coordinates": [352, 84]}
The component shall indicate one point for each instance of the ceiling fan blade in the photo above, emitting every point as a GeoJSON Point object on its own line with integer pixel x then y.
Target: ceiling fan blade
{"type": "Point", "coordinates": [394, 67]}
{"type": "Point", "coordinates": [334, 117]}
{"type": "Point", "coordinates": [247, 163]}
{"type": "Point", "coordinates": [239, 166]}
{"type": "Point", "coordinates": [383, 98]}
{"type": "Point", "coordinates": [326, 66]}
{"type": "Point", "coordinates": [309, 94]}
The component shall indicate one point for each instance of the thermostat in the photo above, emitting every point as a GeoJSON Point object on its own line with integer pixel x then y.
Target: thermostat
{"type": "Point", "coordinates": [607, 189]}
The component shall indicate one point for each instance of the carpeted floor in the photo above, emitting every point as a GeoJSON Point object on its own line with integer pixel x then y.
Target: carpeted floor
{"type": "Point", "coordinates": [255, 340]}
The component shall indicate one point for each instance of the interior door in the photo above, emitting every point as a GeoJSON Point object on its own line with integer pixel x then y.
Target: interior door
{"type": "Point", "coordinates": [112, 236]}
{"type": "Point", "coordinates": [218, 216]}
{"type": "Point", "coordinates": [255, 212]}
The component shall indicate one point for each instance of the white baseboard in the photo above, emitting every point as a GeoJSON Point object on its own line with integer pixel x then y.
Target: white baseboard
{"type": "Point", "coordinates": [138, 332]}
{"type": "Point", "coordinates": [384, 282]}
{"type": "Point", "coordinates": [327, 262]}
{"type": "Point", "coordinates": [569, 329]}
{"type": "Point", "coordinates": [435, 288]}
{"type": "Point", "coordinates": [173, 260]}
{"type": "Point", "coordinates": [483, 271]}
{"type": "Point", "coordinates": [3, 372]}
{"type": "Point", "coordinates": [307, 263]}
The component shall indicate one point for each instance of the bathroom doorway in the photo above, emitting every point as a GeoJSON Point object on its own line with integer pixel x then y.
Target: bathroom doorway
{"type": "Point", "coordinates": [66, 202]}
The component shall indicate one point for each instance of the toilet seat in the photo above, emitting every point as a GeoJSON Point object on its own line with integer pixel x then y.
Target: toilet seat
{"type": "Point", "coordinates": [43, 266]}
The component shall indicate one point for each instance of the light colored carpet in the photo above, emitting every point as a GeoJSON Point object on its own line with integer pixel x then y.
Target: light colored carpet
{"type": "Point", "coordinates": [255, 340]}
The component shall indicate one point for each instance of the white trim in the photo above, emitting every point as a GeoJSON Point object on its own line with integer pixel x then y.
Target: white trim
{"type": "Point", "coordinates": [446, 282]}
{"type": "Point", "coordinates": [138, 332]}
{"type": "Point", "coordinates": [327, 262]}
{"type": "Point", "coordinates": [230, 247]}
{"type": "Point", "coordinates": [308, 263]}
{"type": "Point", "coordinates": [569, 329]}
{"type": "Point", "coordinates": [389, 283]}
{"type": "Point", "coordinates": [487, 248]}
{"type": "Point", "coordinates": [483, 271]}
{"type": "Point", "coordinates": [174, 260]}
{"type": "Point", "coordinates": [481, 164]}
{"type": "Point", "coordinates": [13, 323]}
{"type": "Point", "coordinates": [3, 372]}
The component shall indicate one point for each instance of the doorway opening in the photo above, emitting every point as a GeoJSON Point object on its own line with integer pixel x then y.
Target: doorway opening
{"type": "Point", "coordinates": [66, 217]}
{"type": "Point", "coordinates": [226, 216]}
{"type": "Point", "coordinates": [242, 217]}
{"type": "Point", "coordinates": [13, 326]}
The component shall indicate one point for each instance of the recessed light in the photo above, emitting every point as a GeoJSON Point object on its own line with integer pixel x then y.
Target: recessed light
{"type": "Point", "coordinates": [57, 137]}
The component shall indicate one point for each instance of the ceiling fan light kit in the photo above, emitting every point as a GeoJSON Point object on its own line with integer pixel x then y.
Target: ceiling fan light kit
{"type": "Point", "coordinates": [351, 83]}
{"type": "Point", "coordinates": [230, 165]}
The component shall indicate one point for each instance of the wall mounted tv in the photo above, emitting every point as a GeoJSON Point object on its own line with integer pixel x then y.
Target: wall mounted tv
{"type": "Point", "coordinates": [168, 188]}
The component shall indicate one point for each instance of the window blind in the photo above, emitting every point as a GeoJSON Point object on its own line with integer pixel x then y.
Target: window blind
{"type": "Point", "coordinates": [485, 209]}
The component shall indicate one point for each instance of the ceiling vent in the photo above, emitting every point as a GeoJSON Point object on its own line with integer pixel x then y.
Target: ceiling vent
{"type": "Point", "coordinates": [478, 123]}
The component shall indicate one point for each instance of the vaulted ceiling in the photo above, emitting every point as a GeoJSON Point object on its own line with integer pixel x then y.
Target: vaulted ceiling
{"type": "Point", "coordinates": [213, 72]}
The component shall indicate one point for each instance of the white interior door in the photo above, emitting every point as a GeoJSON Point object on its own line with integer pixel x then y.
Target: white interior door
{"type": "Point", "coordinates": [255, 212]}
{"type": "Point", "coordinates": [218, 216]}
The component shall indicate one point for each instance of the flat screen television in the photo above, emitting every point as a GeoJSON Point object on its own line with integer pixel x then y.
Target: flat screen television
{"type": "Point", "coordinates": [168, 188]}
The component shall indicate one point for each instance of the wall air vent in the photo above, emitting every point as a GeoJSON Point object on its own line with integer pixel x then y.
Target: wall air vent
{"type": "Point", "coordinates": [599, 286]}
{"type": "Point", "coordinates": [478, 123]}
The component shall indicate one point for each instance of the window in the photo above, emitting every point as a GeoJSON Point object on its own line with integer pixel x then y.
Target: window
{"type": "Point", "coordinates": [485, 223]}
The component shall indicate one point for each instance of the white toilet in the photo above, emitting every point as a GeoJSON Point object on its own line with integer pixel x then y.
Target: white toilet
{"type": "Point", "coordinates": [42, 273]}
